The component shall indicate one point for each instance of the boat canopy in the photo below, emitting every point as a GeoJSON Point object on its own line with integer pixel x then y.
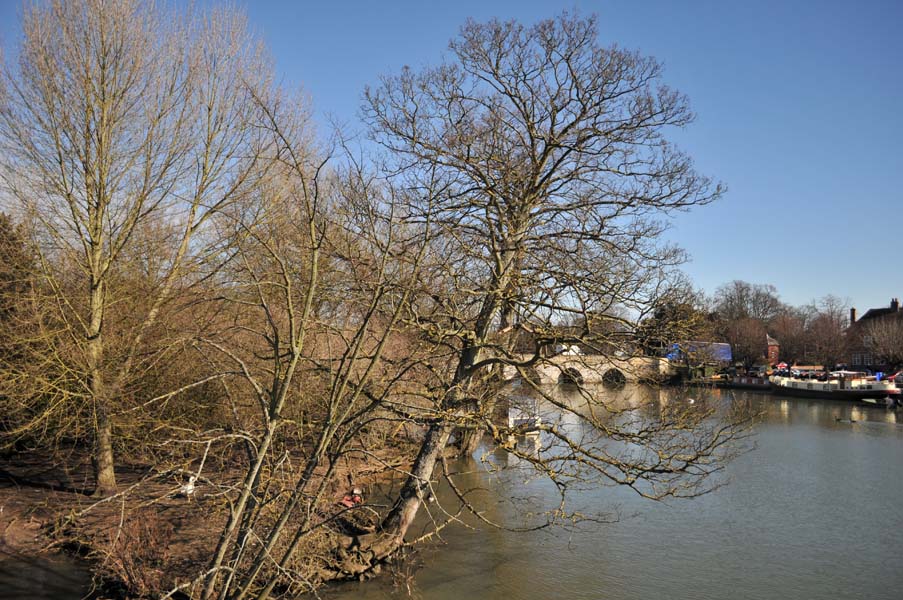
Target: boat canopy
{"type": "Point", "coordinates": [847, 374]}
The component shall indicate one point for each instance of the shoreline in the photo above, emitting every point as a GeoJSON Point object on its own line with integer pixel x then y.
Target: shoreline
{"type": "Point", "coordinates": [141, 542]}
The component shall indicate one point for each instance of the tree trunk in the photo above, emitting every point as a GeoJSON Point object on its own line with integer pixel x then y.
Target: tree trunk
{"type": "Point", "coordinates": [362, 553]}
{"type": "Point", "coordinates": [396, 524]}
{"type": "Point", "coordinates": [508, 267]}
{"type": "Point", "coordinates": [102, 459]}
{"type": "Point", "coordinates": [104, 473]}
{"type": "Point", "coordinates": [468, 437]}
{"type": "Point", "coordinates": [399, 519]}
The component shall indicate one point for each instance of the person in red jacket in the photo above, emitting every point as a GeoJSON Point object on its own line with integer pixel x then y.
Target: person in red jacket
{"type": "Point", "coordinates": [353, 498]}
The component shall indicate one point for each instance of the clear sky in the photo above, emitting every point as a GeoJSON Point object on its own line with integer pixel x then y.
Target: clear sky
{"type": "Point", "coordinates": [799, 103]}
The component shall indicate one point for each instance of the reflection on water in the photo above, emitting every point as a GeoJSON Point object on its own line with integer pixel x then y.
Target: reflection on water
{"type": "Point", "coordinates": [812, 512]}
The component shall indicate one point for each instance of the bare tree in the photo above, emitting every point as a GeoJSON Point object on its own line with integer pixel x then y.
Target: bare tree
{"type": "Point", "coordinates": [747, 339]}
{"type": "Point", "coordinates": [680, 315]}
{"type": "Point", "coordinates": [16, 281]}
{"type": "Point", "coordinates": [745, 312]}
{"type": "Point", "coordinates": [885, 340]}
{"type": "Point", "coordinates": [518, 205]}
{"type": "Point", "coordinates": [555, 165]}
{"type": "Point", "coordinates": [323, 270]}
{"type": "Point", "coordinates": [741, 300]}
{"type": "Point", "coordinates": [826, 332]}
{"type": "Point", "coordinates": [790, 327]}
{"type": "Point", "coordinates": [369, 304]}
{"type": "Point", "coordinates": [15, 267]}
{"type": "Point", "coordinates": [121, 118]}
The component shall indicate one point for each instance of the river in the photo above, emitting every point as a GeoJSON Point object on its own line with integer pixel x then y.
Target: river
{"type": "Point", "coordinates": [814, 511]}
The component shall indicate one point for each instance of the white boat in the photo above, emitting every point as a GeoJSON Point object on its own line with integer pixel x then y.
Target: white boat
{"type": "Point", "coordinates": [840, 387]}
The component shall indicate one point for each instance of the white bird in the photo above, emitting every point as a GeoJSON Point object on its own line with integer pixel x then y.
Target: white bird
{"type": "Point", "coordinates": [692, 400]}
{"type": "Point", "coordinates": [188, 489]}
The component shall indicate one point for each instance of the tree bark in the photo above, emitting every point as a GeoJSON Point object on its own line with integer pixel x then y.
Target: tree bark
{"type": "Point", "coordinates": [102, 459]}
{"type": "Point", "coordinates": [402, 515]}
{"type": "Point", "coordinates": [376, 547]}
{"type": "Point", "coordinates": [104, 472]}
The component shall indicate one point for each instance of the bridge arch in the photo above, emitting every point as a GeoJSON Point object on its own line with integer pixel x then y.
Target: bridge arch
{"type": "Point", "coordinates": [570, 376]}
{"type": "Point", "coordinates": [614, 377]}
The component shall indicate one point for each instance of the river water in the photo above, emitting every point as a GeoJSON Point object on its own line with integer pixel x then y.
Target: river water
{"type": "Point", "coordinates": [814, 511]}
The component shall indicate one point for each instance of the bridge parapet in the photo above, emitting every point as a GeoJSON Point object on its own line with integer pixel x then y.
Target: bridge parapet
{"type": "Point", "coordinates": [596, 369]}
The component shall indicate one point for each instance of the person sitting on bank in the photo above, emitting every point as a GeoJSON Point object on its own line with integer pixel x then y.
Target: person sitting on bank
{"type": "Point", "coordinates": [352, 498]}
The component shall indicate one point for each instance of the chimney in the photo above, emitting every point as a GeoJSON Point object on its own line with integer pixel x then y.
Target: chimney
{"type": "Point", "coordinates": [895, 304]}
{"type": "Point", "coordinates": [852, 315]}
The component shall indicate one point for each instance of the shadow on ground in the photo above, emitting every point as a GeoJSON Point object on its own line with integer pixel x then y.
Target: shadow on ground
{"type": "Point", "coordinates": [41, 578]}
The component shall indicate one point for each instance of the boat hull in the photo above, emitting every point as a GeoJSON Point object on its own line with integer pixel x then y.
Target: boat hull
{"type": "Point", "coordinates": [816, 389]}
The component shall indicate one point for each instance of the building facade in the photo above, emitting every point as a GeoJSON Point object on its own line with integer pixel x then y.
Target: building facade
{"type": "Point", "coordinates": [864, 352]}
{"type": "Point", "coordinates": [773, 350]}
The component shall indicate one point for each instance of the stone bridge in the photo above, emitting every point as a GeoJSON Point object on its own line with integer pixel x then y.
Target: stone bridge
{"type": "Point", "coordinates": [577, 368]}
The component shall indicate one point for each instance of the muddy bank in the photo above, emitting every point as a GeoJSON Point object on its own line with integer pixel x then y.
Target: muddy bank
{"type": "Point", "coordinates": [142, 542]}
{"type": "Point", "coordinates": [43, 577]}
{"type": "Point", "coordinates": [32, 564]}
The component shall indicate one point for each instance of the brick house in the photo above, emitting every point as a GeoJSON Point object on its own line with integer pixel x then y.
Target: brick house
{"type": "Point", "coordinates": [773, 350]}
{"type": "Point", "coordinates": [861, 356]}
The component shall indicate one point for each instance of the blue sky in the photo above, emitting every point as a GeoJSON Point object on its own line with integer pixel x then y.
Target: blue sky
{"type": "Point", "coordinates": [798, 103]}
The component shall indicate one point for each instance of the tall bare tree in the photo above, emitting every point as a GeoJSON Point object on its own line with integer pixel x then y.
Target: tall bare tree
{"type": "Point", "coordinates": [517, 206]}
{"type": "Point", "coordinates": [553, 155]}
{"type": "Point", "coordinates": [122, 117]}
{"type": "Point", "coordinates": [323, 268]}
{"type": "Point", "coordinates": [748, 341]}
{"type": "Point", "coordinates": [745, 312]}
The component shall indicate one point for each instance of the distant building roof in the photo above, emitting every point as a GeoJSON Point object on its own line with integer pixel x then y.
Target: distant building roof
{"type": "Point", "coordinates": [873, 313]}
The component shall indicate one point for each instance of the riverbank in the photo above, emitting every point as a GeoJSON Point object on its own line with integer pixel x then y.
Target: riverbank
{"type": "Point", "coordinates": [34, 563]}
{"type": "Point", "coordinates": [138, 542]}
{"type": "Point", "coordinates": [144, 541]}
